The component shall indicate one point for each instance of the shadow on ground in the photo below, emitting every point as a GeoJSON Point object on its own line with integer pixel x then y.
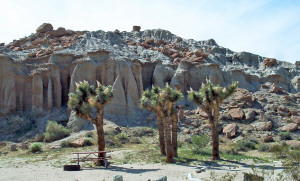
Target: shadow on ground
{"type": "Point", "coordinates": [122, 169]}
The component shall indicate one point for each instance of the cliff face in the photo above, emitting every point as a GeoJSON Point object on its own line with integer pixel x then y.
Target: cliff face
{"type": "Point", "coordinates": [38, 72]}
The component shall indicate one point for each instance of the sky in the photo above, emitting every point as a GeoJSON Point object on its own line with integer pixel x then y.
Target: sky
{"type": "Point", "coordinates": [270, 28]}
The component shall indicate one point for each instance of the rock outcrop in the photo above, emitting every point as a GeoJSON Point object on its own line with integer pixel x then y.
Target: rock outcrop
{"type": "Point", "coordinates": [38, 72]}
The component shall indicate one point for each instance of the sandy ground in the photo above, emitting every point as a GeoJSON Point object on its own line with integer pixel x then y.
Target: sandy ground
{"type": "Point", "coordinates": [17, 169]}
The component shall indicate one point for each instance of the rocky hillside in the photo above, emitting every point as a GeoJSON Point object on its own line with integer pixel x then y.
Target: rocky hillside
{"type": "Point", "coordinates": [37, 72]}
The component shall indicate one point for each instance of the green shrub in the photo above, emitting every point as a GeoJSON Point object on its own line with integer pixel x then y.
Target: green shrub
{"type": "Point", "coordinates": [245, 145]}
{"type": "Point", "coordinates": [142, 131]}
{"type": "Point", "coordinates": [121, 138]}
{"type": "Point", "coordinates": [285, 135]}
{"type": "Point", "coordinates": [263, 147]}
{"type": "Point", "coordinates": [35, 147]}
{"type": "Point", "coordinates": [18, 124]}
{"type": "Point", "coordinates": [55, 131]}
{"type": "Point", "coordinates": [199, 142]}
{"type": "Point", "coordinates": [88, 142]}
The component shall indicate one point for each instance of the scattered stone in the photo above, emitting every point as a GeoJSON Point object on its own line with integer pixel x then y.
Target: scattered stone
{"type": "Point", "coordinates": [200, 170]}
{"type": "Point", "coordinates": [243, 95]}
{"type": "Point", "coordinates": [117, 31]}
{"type": "Point", "coordinates": [250, 115]}
{"type": "Point", "coordinates": [269, 62]}
{"type": "Point", "coordinates": [118, 178]}
{"type": "Point", "coordinates": [201, 113]}
{"type": "Point", "coordinates": [277, 90]}
{"type": "Point", "coordinates": [290, 127]}
{"type": "Point", "coordinates": [77, 143]}
{"type": "Point", "coordinates": [263, 126]}
{"type": "Point", "coordinates": [59, 32]}
{"type": "Point", "coordinates": [55, 147]}
{"type": "Point", "coordinates": [179, 39]}
{"type": "Point", "coordinates": [13, 147]}
{"type": "Point", "coordinates": [45, 27]}
{"type": "Point", "coordinates": [267, 139]}
{"type": "Point", "coordinates": [237, 113]}
{"type": "Point", "coordinates": [136, 28]}
{"type": "Point", "coordinates": [230, 130]}
{"type": "Point", "coordinates": [25, 145]}
{"type": "Point", "coordinates": [164, 178]}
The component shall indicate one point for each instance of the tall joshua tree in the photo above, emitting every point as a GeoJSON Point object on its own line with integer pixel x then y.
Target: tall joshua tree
{"type": "Point", "coordinates": [162, 103]}
{"type": "Point", "coordinates": [209, 98]}
{"type": "Point", "coordinates": [87, 97]}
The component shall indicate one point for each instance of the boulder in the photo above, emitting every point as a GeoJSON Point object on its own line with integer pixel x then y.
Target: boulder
{"type": "Point", "coordinates": [25, 145]}
{"type": "Point", "coordinates": [293, 143]}
{"type": "Point", "coordinates": [269, 62]}
{"type": "Point", "coordinates": [59, 32]}
{"type": "Point", "coordinates": [230, 130]}
{"type": "Point", "coordinates": [118, 178]}
{"type": "Point", "coordinates": [77, 124]}
{"type": "Point", "coordinates": [290, 127]}
{"type": "Point", "coordinates": [236, 113]}
{"type": "Point", "coordinates": [201, 113]}
{"type": "Point", "coordinates": [295, 119]}
{"type": "Point", "coordinates": [277, 90]}
{"type": "Point", "coordinates": [117, 31]}
{"type": "Point", "coordinates": [45, 27]}
{"type": "Point", "coordinates": [136, 28]}
{"type": "Point", "coordinates": [243, 95]}
{"type": "Point", "coordinates": [267, 139]}
{"type": "Point", "coordinates": [13, 147]}
{"type": "Point", "coordinates": [78, 143]}
{"type": "Point", "coordinates": [263, 126]}
{"type": "Point", "coordinates": [250, 115]}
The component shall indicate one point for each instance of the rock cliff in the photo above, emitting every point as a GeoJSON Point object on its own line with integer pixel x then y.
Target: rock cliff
{"type": "Point", "coordinates": [37, 72]}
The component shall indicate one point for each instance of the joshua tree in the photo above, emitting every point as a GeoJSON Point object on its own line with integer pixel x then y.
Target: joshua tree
{"type": "Point", "coordinates": [87, 97]}
{"type": "Point", "coordinates": [162, 103]}
{"type": "Point", "coordinates": [209, 98]}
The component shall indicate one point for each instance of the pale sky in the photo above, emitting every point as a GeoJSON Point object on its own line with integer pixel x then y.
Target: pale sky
{"type": "Point", "coordinates": [268, 28]}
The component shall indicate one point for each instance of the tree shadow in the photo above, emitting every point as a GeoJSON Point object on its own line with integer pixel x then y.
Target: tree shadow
{"type": "Point", "coordinates": [122, 169]}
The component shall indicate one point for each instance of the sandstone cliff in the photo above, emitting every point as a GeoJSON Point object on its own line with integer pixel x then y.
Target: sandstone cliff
{"type": "Point", "coordinates": [38, 72]}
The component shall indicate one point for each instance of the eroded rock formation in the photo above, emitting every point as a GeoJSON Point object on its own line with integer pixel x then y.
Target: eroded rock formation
{"type": "Point", "coordinates": [38, 72]}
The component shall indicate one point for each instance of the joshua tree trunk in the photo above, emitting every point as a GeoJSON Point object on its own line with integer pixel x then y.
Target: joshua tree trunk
{"type": "Point", "coordinates": [174, 133]}
{"type": "Point", "coordinates": [160, 125]}
{"type": "Point", "coordinates": [215, 135]}
{"type": "Point", "coordinates": [168, 140]}
{"type": "Point", "coordinates": [100, 133]}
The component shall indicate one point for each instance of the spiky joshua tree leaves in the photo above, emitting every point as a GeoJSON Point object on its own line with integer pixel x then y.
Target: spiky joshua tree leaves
{"type": "Point", "coordinates": [161, 101]}
{"type": "Point", "coordinates": [209, 98]}
{"type": "Point", "coordinates": [85, 99]}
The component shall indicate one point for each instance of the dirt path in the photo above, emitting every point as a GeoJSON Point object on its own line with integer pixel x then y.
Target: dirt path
{"type": "Point", "coordinates": [18, 169]}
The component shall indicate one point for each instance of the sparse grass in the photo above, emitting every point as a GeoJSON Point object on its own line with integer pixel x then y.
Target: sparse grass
{"type": "Point", "coordinates": [285, 135]}
{"type": "Point", "coordinates": [263, 147]}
